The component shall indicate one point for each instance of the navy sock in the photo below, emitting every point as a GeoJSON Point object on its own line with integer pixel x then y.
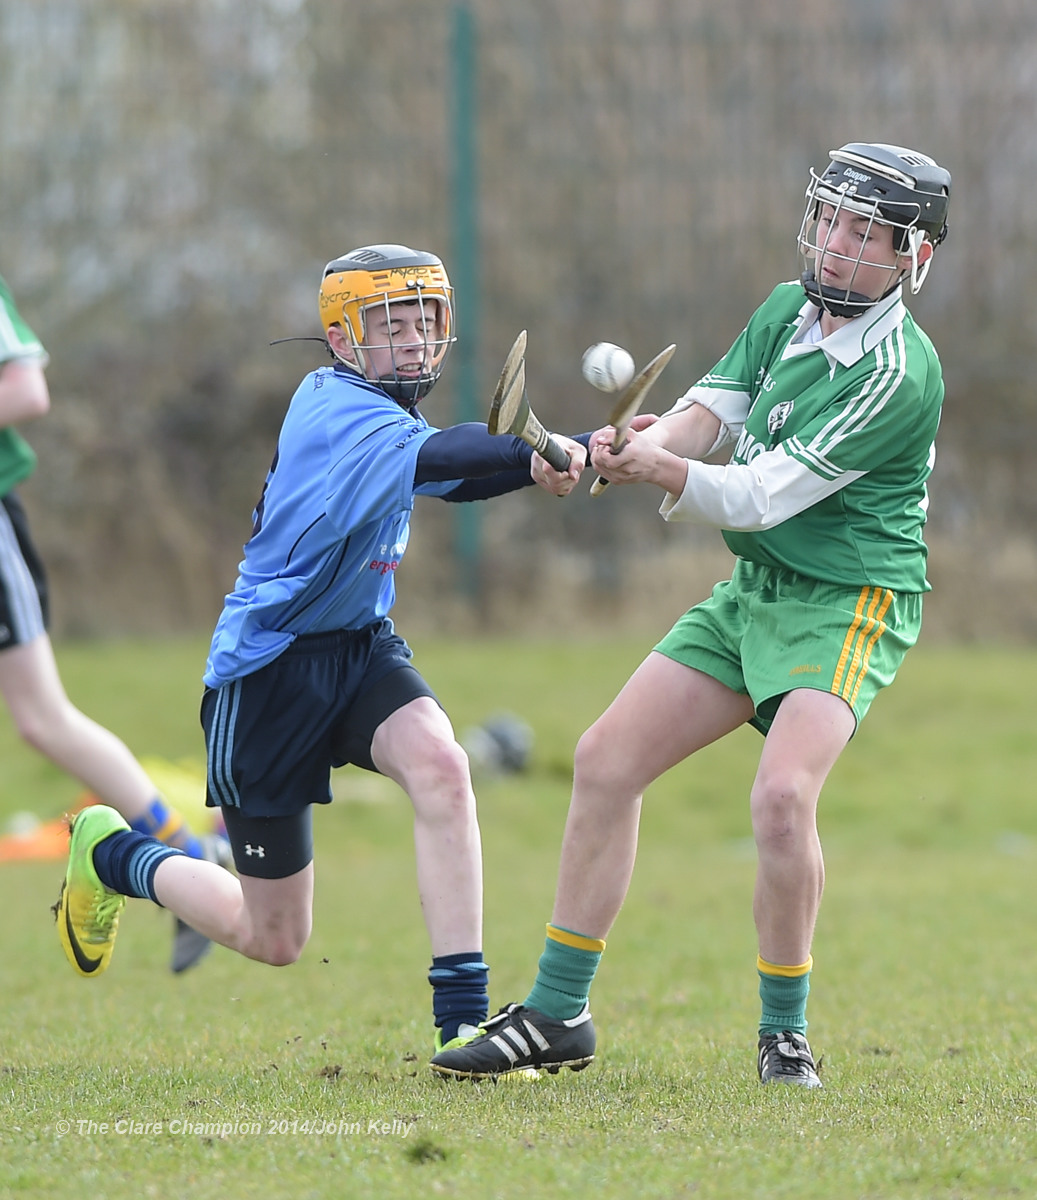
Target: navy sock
{"type": "Point", "coordinates": [460, 992]}
{"type": "Point", "coordinates": [126, 862]}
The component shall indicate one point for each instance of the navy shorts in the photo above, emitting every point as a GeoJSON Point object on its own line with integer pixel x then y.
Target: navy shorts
{"type": "Point", "coordinates": [273, 737]}
{"type": "Point", "coordinates": [23, 581]}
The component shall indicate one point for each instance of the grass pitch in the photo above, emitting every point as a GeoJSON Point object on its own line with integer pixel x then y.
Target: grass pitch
{"type": "Point", "coordinates": [310, 1081]}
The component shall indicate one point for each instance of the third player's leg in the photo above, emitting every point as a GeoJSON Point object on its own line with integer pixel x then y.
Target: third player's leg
{"type": "Point", "coordinates": [416, 747]}
{"type": "Point", "coordinates": [48, 721]}
{"type": "Point", "coordinates": [665, 712]}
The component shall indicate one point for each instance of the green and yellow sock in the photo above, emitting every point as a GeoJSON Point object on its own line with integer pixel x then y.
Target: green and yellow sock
{"type": "Point", "coordinates": [783, 996]}
{"type": "Point", "coordinates": [566, 972]}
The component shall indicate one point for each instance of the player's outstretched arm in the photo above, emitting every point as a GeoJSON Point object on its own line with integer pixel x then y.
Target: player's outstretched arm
{"type": "Point", "coordinates": [489, 465]}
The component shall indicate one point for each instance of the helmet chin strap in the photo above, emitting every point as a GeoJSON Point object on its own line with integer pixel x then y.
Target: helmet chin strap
{"type": "Point", "coordinates": [406, 392]}
{"type": "Point", "coordinates": [839, 303]}
{"type": "Point", "coordinates": [834, 302]}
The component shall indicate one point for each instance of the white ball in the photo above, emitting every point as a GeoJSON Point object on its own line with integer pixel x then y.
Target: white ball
{"type": "Point", "coordinates": [607, 367]}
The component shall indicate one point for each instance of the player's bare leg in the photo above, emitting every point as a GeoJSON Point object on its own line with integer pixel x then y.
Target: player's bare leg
{"type": "Point", "coordinates": [664, 713]}
{"type": "Point", "coordinates": [808, 734]}
{"type": "Point", "coordinates": [416, 748]}
{"type": "Point", "coordinates": [48, 721]}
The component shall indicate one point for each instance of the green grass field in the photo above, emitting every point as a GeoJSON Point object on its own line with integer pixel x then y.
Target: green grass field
{"type": "Point", "coordinates": [311, 1081]}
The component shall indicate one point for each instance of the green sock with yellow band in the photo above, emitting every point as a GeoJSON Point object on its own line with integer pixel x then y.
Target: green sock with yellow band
{"type": "Point", "coordinates": [783, 996]}
{"type": "Point", "coordinates": [566, 972]}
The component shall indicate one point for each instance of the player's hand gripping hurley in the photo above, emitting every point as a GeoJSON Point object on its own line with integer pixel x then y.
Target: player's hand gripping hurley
{"type": "Point", "coordinates": [510, 411]}
{"type": "Point", "coordinates": [629, 404]}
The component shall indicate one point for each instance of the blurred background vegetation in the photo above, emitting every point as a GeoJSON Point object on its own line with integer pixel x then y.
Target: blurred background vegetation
{"type": "Point", "coordinates": [175, 173]}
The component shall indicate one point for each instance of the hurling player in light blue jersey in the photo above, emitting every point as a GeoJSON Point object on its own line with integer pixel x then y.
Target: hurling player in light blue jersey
{"type": "Point", "coordinates": [306, 671]}
{"type": "Point", "coordinates": [830, 399]}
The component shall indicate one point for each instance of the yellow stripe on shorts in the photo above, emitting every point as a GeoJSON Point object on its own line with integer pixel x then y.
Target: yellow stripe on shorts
{"type": "Point", "coordinates": [865, 630]}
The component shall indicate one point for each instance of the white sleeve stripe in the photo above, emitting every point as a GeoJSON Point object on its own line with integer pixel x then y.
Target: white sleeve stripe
{"type": "Point", "coordinates": [857, 412]}
{"type": "Point", "coordinates": [810, 457]}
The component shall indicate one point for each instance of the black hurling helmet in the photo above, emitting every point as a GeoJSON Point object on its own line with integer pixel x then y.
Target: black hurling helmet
{"type": "Point", "coordinates": [890, 185]}
{"type": "Point", "coordinates": [379, 276]}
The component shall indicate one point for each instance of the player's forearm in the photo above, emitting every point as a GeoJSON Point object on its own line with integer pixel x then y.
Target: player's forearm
{"type": "Point", "coordinates": [690, 433]}
{"type": "Point", "coordinates": [498, 484]}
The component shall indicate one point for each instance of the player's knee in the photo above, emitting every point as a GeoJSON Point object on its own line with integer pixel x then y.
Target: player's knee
{"type": "Point", "coordinates": [441, 791]}
{"type": "Point", "coordinates": [284, 956]}
{"type": "Point", "coordinates": [277, 947]}
{"type": "Point", "coordinates": [594, 767]}
{"type": "Point", "coordinates": [781, 810]}
{"type": "Point", "coordinates": [278, 953]}
{"type": "Point", "coordinates": [36, 730]}
{"type": "Point", "coordinates": [443, 770]}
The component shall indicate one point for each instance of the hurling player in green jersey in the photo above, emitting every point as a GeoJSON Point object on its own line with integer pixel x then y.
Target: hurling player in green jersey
{"type": "Point", "coordinates": [830, 400]}
{"type": "Point", "coordinates": [30, 686]}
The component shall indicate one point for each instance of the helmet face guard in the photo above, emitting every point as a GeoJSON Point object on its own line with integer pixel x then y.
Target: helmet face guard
{"type": "Point", "coordinates": [377, 277]}
{"type": "Point", "coordinates": [887, 185]}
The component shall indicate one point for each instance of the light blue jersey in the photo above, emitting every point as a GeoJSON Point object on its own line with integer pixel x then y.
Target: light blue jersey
{"type": "Point", "coordinates": [332, 524]}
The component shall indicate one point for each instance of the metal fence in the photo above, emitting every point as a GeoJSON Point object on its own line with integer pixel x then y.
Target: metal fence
{"type": "Point", "coordinates": [174, 173]}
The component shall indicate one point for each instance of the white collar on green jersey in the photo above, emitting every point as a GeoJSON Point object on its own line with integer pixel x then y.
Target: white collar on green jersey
{"type": "Point", "coordinates": [852, 341]}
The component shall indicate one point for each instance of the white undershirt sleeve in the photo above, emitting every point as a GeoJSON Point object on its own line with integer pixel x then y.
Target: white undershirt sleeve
{"type": "Point", "coordinates": [753, 496]}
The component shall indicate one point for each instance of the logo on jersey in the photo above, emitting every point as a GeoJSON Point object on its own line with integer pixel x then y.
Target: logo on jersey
{"type": "Point", "coordinates": [258, 851]}
{"type": "Point", "coordinates": [778, 415]}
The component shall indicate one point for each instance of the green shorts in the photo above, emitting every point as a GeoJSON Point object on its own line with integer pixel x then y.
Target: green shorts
{"type": "Point", "coordinates": [768, 631]}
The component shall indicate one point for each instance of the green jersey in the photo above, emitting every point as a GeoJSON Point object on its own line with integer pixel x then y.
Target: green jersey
{"type": "Point", "coordinates": [833, 444]}
{"type": "Point", "coordinates": [17, 340]}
